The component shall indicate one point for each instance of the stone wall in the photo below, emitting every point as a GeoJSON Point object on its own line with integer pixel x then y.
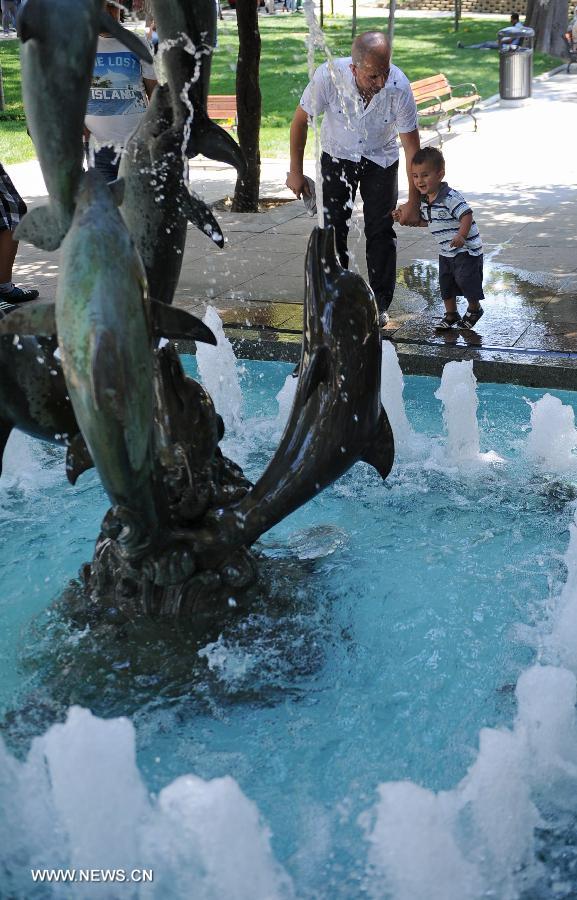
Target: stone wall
{"type": "Point", "coordinates": [506, 7]}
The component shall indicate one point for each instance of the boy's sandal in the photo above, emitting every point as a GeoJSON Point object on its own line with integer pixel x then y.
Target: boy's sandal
{"type": "Point", "coordinates": [471, 317]}
{"type": "Point", "coordinates": [448, 321]}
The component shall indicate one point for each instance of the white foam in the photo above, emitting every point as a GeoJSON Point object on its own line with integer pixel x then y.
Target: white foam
{"type": "Point", "coordinates": [24, 464]}
{"type": "Point", "coordinates": [392, 387]}
{"type": "Point", "coordinates": [217, 367]}
{"type": "Point", "coordinates": [285, 399]}
{"type": "Point", "coordinates": [458, 394]}
{"type": "Point", "coordinates": [552, 441]}
{"type": "Point", "coordinates": [78, 801]}
{"type": "Point", "coordinates": [478, 839]}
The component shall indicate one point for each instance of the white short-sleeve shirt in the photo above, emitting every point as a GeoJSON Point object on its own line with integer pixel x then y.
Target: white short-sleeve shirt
{"type": "Point", "coordinates": [351, 130]}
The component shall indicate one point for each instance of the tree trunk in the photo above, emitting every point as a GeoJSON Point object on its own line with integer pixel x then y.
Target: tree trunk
{"type": "Point", "coordinates": [354, 29]}
{"type": "Point", "coordinates": [391, 28]}
{"type": "Point", "coordinates": [457, 14]}
{"type": "Point", "coordinates": [549, 21]}
{"type": "Point", "coordinates": [248, 102]}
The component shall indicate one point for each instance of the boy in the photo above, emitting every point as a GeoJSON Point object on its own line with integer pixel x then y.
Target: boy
{"type": "Point", "coordinates": [450, 220]}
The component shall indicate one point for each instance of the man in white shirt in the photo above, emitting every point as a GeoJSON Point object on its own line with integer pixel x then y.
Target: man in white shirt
{"type": "Point", "coordinates": [366, 102]}
{"type": "Point", "coordinates": [121, 86]}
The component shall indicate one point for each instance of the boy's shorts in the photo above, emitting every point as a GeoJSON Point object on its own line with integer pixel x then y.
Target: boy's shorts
{"type": "Point", "coordinates": [461, 276]}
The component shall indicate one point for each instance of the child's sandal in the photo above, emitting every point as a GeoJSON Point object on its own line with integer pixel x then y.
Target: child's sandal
{"type": "Point", "coordinates": [471, 317]}
{"type": "Point", "coordinates": [448, 322]}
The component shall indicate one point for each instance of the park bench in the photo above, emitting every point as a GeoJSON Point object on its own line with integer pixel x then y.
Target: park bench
{"type": "Point", "coordinates": [437, 101]}
{"type": "Point", "coordinates": [223, 108]}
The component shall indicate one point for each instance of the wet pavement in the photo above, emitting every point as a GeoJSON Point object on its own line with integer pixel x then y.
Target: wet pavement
{"type": "Point", "coordinates": [519, 174]}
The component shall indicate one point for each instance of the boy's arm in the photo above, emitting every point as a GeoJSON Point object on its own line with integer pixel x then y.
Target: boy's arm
{"type": "Point", "coordinates": [465, 223]}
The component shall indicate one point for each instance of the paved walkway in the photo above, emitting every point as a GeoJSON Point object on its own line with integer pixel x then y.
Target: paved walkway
{"type": "Point", "coordinates": [518, 171]}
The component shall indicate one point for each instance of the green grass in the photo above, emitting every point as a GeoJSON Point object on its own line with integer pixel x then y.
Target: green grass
{"type": "Point", "coordinates": [15, 145]}
{"type": "Point", "coordinates": [422, 47]}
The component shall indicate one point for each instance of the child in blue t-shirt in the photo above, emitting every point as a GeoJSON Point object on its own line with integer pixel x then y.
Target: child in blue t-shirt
{"type": "Point", "coordinates": [450, 220]}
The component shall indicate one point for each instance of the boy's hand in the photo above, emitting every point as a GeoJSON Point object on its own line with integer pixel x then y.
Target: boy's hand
{"type": "Point", "coordinates": [407, 214]}
{"type": "Point", "coordinates": [457, 241]}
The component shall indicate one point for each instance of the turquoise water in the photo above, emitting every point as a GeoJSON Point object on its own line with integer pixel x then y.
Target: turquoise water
{"type": "Point", "coordinates": [392, 639]}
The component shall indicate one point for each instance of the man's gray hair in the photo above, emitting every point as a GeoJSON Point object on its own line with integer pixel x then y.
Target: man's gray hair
{"type": "Point", "coordinates": [369, 43]}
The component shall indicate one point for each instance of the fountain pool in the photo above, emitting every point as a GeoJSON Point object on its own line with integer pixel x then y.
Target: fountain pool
{"type": "Point", "coordinates": [362, 736]}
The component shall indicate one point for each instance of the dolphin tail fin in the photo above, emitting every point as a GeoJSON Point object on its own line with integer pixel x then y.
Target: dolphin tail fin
{"type": "Point", "coordinates": [37, 317]}
{"type": "Point", "coordinates": [130, 40]}
{"type": "Point", "coordinates": [381, 453]}
{"type": "Point", "coordinates": [197, 212]}
{"type": "Point", "coordinates": [42, 227]}
{"type": "Point", "coordinates": [215, 143]}
{"type": "Point", "coordinates": [171, 322]}
{"type": "Point", "coordinates": [78, 458]}
{"type": "Point", "coordinates": [316, 371]}
{"type": "Point", "coordinates": [5, 431]}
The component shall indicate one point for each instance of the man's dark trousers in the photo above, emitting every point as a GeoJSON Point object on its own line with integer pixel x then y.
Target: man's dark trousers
{"type": "Point", "coordinates": [379, 190]}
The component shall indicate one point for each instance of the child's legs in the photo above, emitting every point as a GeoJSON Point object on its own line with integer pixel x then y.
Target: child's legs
{"type": "Point", "coordinates": [448, 284]}
{"type": "Point", "coordinates": [469, 278]}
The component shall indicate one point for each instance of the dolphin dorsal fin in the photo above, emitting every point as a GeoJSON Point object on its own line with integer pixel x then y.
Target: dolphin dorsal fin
{"type": "Point", "coordinates": [37, 317]}
{"type": "Point", "coordinates": [214, 142]}
{"type": "Point", "coordinates": [317, 370]}
{"type": "Point", "coordinates": [43, 227]}
{"type": "Point", "coordinates": [78, 459]}
{"type": "Point", "coordinates": [172, 322]}
{"type": "Point", "coordinates": [197, 212]}
{"type": "Point", "coordinates": [380, 453]}
{"type": "Point", "coordinates": [131, 41]}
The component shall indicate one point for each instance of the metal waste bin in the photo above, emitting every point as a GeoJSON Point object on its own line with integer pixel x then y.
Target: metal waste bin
{"type": "Point", "coordinates": [515, 62]}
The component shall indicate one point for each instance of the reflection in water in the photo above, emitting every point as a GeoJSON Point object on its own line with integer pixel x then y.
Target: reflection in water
{"type": "Point", "coordinates": [520, 310]}
{"type": "Point", "coordinates": [500, 283]}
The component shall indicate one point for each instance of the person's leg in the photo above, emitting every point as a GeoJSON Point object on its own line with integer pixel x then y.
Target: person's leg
{"type": "Point", "coordinates": [8, 248]}
{"type": "Point", "coordinates": [5, 17]}
{"type": "Point", "coordinates": [12, 209]}
{"type": "Point", "coordinates": [379, 190]}
{"type": "Point", "coordinates": [469, 276]}
{"type": "Point", "coordinates": [484, 45]}
{"type": "Point", "coordinates": [9, 293]}
{"type": "Point", "coordinates": [107, 162]}
{"type": "Point", "coordinates": [449, 292]}
{"type": "Point", "coordinates": [340, 181]}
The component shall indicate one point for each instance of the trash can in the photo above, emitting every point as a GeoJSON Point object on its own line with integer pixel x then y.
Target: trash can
{"type": "Point", "coordinates": [515, 62]}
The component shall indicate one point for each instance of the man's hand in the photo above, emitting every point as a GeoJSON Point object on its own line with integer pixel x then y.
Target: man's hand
{"type": "Point", "coordinates": [457, 241]}
{"type": "Point", "coordinates": [407, 214]}
{"type": "Point", "coordinates": [297, 184]}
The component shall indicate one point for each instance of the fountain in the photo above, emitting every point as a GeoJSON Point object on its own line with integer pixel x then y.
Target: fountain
{"type": "Point", "coordinates": [374, 726]}
{"type": "Point", "coordinates": [176, 539]}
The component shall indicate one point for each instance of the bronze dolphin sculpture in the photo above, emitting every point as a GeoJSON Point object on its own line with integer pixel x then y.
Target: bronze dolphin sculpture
{"type": "Point", "coordinates": [59, 40]}
{"type": "Point", "coordinates": [337, 417]}
{"type": "Point", "coordinates": [34, 399]}
{"type": "Point", "coordinates": [157, 201]}
{"type": "Point", "coordinates": [188, 76]}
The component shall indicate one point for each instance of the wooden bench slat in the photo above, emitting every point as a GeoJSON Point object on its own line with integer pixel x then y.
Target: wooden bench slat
{"type": "Point", "coordinates": [222, 106]}
{"type": "Point", "coordinates": [436, 93]}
